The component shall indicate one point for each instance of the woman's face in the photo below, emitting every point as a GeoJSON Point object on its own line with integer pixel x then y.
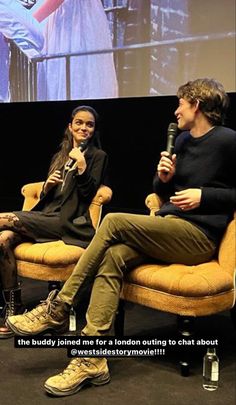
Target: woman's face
{"type": "Point", "coordinates": [82, 127]}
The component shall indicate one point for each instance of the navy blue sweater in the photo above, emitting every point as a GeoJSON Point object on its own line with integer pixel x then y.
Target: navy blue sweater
{"type": "Point", "coordinates": [209, 163]}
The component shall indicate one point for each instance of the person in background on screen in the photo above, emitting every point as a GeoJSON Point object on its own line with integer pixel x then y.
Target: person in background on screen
{"type": "Point", "coordinates": [76, 26]}
{"type": "Point", "coordinates": [198, 185]}
{"type": "Point", "coordinates": [18, 25]}
{"type": "Point", "coordinates": [4, 69]}
{"type": "Point", "coordinates": [63, 209]}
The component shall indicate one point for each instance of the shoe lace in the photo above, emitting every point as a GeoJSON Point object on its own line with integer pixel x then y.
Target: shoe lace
{"type": "Point", "coordinates": [45, 308]}
{"type": "Point", "coordinates": [8, 312]}
{"type": "Point", "coordinates": [73, 366]}
{"type": "Point", "coordinates": [10, 307]}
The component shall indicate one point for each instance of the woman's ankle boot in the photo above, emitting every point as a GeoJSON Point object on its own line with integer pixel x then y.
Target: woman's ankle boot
{"type": "Point", "coordinates": [13, 306]}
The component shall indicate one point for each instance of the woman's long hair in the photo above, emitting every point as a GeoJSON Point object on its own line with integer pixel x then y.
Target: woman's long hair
{"type": "Point", "coordinates": [61, 157]}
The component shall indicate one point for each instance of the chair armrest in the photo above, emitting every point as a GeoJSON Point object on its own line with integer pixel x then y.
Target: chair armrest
{"type": "Point", "coordinates": [31, 192]}
{"type": "Point", "coordinates": [153, 202]}
{"type": "Point", "coordinates": [227, 249]}
{"type": "Point", "coordinates": [103, 196]}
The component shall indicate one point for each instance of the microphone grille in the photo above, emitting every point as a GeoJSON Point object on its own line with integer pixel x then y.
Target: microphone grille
{"type": "Point", "coordinates": [83, 145]}
{"type": "Point", "coordinates": [173, 127]}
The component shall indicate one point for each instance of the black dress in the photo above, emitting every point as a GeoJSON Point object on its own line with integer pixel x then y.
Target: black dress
{"type": "Point", "coordinates": [63, 213]}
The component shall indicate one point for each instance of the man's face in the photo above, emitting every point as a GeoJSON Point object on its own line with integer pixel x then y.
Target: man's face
{"type": "Point", "coordinates": [185, 114]}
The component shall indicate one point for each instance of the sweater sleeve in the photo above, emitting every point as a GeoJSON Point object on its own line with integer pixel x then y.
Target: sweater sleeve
{"type": "Point", "coordinates": [218, 199]}
{"type": "Point", "coordinates": [222, 197]}
{"type": "Point", "coordinates": [93, 176]}
{"type": "Point", "coordinates": [164, 190]}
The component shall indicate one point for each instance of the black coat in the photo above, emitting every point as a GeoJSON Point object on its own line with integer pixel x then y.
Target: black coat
{"type": "Point", "coordinates": [78, 193]}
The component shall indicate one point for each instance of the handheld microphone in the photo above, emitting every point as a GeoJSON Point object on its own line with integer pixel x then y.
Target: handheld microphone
{"type": "Point", "coordinates": [70, 163]}
{"type": "Point", "coordinates": [171, 134]}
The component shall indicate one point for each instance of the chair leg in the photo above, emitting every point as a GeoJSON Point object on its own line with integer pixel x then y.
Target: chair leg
{"type": "Point", "coordinates": [2, 302]}
{"type": "Point", "coordinates": [233, 315]}
{"type": "Point", "coordinates": [120, 319]}
{"type": "Point", "coordinates": [186, 329]}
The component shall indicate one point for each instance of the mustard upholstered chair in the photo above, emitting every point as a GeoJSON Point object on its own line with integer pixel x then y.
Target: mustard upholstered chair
{"type": "Point", "coordinates": [187, 291]}
{"type": "Point", "coordinates": [53, 261]}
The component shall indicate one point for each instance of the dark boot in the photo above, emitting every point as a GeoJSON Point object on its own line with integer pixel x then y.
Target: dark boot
{"type": "Point", "coordinates": [13, 306]}
{"type": "Point", "coordinates": [51, 316]}
{"type": "Point", "coordinates": [2, 302]}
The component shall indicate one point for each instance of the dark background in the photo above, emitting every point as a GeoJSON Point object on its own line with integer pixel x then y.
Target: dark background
{"type": "Point", "coordinates": [133, 132]}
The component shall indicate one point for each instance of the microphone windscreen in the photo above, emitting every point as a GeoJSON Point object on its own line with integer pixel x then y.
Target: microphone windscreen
{"type": "Point", "coordinates": [172, 128]}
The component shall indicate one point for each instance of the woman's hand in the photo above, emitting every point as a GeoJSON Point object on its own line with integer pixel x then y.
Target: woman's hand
{"type": "Point", "coordinates": [52, 181]}
{"type": "Point", "coordinates": [79, 158]}
{"type": "Point", "coordinates": [166, 167]}
{"type": "Point", "coordinates": [187, 199]}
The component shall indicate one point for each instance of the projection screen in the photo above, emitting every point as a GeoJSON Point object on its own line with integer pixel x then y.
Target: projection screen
{"type": "Point", "coordinates": [93, 49]}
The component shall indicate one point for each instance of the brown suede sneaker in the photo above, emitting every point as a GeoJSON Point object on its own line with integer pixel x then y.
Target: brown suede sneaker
{"type": "Point", "coordinates": [52, 315]}
{"type": "Point", "coordinates": [79, 372]}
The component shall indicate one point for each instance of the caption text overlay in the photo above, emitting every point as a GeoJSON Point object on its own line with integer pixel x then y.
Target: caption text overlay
{"type": "Point", "coordinates": [96, 346]}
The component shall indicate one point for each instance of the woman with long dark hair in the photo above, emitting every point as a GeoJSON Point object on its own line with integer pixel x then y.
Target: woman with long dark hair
{"type": "Point", "coordinates": [63, 209]}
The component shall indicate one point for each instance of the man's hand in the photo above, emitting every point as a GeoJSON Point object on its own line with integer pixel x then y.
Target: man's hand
{"type": "Point", "coordinates": [187, 199]}
{"type": "Point", "coordinates": [166, 167]}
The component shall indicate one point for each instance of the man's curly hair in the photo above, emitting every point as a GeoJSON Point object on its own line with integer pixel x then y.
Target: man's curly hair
{"type": "Point", "coordinates": [211, 95]}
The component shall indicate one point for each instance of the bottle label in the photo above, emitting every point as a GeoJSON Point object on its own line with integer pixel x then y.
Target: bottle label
{"type": "Point", "coordinates": [215, 371]}
{"type": "Point", "coordinates": [72, 321]}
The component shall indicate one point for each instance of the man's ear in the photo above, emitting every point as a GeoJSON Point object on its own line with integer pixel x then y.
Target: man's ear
{"type": "Point", "coordinates": [197, 105]}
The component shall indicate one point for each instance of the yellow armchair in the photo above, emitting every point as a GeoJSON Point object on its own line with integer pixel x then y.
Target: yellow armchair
{"type": "Point", "coordinates": [198, 290]}
{"type": "Point", "coordinates": [187, 291]}
{"type": "Point", "coordinates": [53, 261]}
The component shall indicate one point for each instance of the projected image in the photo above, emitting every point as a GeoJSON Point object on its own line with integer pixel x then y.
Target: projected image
{"type": "Point", "coordinates": [91, 49]}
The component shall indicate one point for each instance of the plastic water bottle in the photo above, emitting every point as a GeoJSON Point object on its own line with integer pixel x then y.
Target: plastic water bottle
{"type": "Point", "coordinates": [72, 320]}
{"type": "Point", "coordinates": [210, 370]}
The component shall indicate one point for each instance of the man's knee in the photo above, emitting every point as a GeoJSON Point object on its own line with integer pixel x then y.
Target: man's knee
{"type": "Point", "coordinates": [121, 257]}
{"type": "Point", "coordinates": [114, 220]}
{"type": "Point", "coordinates": [114, 254]}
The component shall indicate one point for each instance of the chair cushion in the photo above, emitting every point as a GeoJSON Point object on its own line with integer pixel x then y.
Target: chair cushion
{"type": "Point", "coordinates": [177, 279]}
{"type": "Point", "coordinates": [51, 253]}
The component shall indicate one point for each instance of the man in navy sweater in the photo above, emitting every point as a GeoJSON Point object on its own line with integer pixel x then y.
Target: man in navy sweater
{"type": "Point", "coordinates": [198, 186]}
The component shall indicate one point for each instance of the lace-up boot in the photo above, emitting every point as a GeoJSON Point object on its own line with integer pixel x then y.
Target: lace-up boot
{"type": "Point", "coordinates": [13, 305]}
{"type": "Point", "coordinates": [51, 316]}
{"type": "Point", "coordinates": [79, 372]}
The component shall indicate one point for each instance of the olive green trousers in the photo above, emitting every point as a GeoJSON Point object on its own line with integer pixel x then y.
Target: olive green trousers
{"type": "Point", "coordinates": [122, 242]}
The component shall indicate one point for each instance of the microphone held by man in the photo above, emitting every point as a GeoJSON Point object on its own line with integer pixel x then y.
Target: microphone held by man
{"type": "Point", "coordinates": [171, 134]}
{"type": "Point", "coordinates": [166, 165]}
